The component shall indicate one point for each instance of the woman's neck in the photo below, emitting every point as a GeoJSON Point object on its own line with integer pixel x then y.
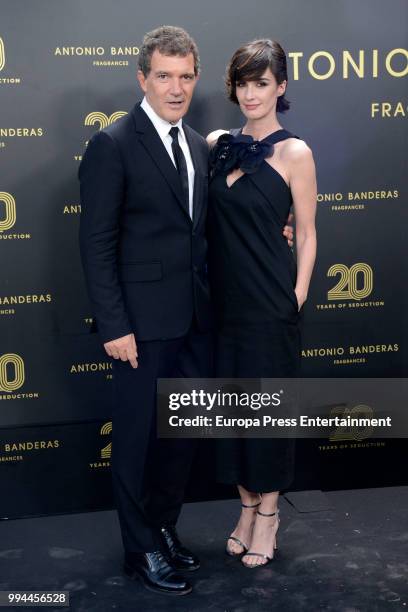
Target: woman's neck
{"type": "Point", "coordinates": [261, 128]}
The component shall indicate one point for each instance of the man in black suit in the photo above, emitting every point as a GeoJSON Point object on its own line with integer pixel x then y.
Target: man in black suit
{"type": "Point", "coordinates": [142, 236]}
{"type": "Point", "coordinates": [143, 247]}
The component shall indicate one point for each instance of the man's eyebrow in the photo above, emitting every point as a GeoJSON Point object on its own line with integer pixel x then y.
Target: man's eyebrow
{"type": "Point", "coordinates": [192, 73]}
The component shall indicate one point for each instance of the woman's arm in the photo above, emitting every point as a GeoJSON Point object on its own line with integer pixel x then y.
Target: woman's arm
{"type": "Point", "coordinates": [302, 176]}
{"type": "Point", "coordinates": [213, 137]}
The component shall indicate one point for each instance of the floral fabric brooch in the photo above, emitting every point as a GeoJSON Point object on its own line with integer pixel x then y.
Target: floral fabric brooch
{"type": "Point", "coordinates": [241, 151]}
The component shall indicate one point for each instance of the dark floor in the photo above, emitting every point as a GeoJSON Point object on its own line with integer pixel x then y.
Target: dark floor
{"type": "Point", "coordinates": [350, 558]}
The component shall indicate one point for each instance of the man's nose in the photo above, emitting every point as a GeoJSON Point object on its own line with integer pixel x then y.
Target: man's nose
{"type": "Point", "coordinates": [175, 87]}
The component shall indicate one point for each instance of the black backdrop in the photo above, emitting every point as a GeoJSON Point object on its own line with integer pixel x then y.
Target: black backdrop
{"type": "Point", "coordinates": [66, 70]}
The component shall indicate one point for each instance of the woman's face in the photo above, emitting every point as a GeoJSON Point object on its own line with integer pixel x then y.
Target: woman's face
{"type": "Point", "coordinates": [257, 99]}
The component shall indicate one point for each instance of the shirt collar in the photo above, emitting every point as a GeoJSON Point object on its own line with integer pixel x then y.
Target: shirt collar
{"type": "Point", "coordinates": [162, 126]}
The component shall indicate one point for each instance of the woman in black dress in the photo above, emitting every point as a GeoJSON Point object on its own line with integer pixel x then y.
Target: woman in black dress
{"type": "Point", "coordinates": [258, 289]}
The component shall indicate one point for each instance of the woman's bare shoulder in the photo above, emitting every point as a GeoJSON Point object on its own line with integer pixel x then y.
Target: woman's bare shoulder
{"type": "Point", "coordinates": [296, 149]}
{"type": "Point", "coordinates": [213, 136]}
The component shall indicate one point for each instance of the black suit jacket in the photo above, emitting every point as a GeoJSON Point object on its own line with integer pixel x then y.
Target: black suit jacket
{"type": "Point", "coordinates": [144, 258]}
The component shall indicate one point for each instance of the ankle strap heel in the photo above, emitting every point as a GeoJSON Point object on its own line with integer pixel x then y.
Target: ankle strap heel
{"type": "Point", "coordinates": [265, 558]}
{"type": "Point", "coordinates": [244, 546]}
{"type": "Point", "coordinates": [251, 506]}
{"type": "Point", "coordinates": [267, 514]}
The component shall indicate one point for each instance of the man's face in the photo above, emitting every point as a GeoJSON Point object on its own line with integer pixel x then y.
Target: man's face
{"type": "Point", "coordinates": [169, 85]}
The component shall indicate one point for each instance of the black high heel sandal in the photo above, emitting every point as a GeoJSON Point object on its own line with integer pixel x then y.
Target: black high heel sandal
{"type": "Point", "coordinates": [230, 552]}
{"type": "Point", "coordinates": [255, 554]}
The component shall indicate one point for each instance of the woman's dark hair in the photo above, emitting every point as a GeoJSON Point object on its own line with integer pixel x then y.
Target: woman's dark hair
{"type": "Point", "coordinates": [249, 63]}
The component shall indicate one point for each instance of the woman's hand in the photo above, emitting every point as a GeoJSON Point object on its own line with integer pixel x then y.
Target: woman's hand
{"type": "Point", "coordinates": [288, 229]}
{"type": "Point", "coordinates": [301, 299]}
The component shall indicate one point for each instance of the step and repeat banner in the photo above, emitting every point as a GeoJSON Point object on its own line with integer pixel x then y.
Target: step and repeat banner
{"type": "Point", "coordinates": [68, 69]}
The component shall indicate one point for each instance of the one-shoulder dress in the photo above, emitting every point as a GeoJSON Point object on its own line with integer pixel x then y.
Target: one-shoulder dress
{"type": "Point", "coordinates": [252, 272]}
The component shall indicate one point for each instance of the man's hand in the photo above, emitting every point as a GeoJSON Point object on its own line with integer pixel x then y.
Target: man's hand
{"type": "Point", "coordinates": [288, 230]}
{"type": "Point", "coordinates": [123, 348]}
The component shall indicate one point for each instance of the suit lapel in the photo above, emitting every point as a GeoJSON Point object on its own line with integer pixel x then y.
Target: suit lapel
{"type": "Point", "coordinates": [155, 148]}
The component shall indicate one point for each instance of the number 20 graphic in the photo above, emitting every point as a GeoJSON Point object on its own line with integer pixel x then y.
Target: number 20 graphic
{"type": "Point", "coordinates": [11, 384]}
{"type": "Point", "coordinates": [106, 429]}
{"type": "Point", "coordinates": [10, 204]}
{"type": "Point", "coordinates": [2, 54]}
{"type": "Point", "coordinates": [346, 288]}
{"type": "Point", "coordinates": [103, 119]}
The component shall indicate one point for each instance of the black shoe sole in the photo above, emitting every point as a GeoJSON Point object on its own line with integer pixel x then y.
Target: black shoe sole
{"type": "Point", "coordinates": [132, 575]}
{"type": "Point", "coordinates": [193, 568]}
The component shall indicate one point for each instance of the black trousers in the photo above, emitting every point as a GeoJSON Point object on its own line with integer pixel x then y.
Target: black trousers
{"type": "Point", "coordinates": [150, 474]}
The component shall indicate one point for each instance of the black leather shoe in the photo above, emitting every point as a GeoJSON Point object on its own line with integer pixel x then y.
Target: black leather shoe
{"type": "Point", "coordinates": [153, 569]}
{"type": "Point", "coordinates": [179, 557]}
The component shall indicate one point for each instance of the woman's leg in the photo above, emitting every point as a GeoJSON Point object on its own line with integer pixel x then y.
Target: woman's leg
{"type": "Point", "coordinates": [264, 530]}
{"type": "Point", "coordinates": [243, 529]}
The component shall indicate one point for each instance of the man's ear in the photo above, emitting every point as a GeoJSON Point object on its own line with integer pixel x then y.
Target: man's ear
{"type": "Point", "coordinates": [142, 80]}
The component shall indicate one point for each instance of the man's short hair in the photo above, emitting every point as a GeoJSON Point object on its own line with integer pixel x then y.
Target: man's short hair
{"type": "Point", "coordinates": [168, 40]}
